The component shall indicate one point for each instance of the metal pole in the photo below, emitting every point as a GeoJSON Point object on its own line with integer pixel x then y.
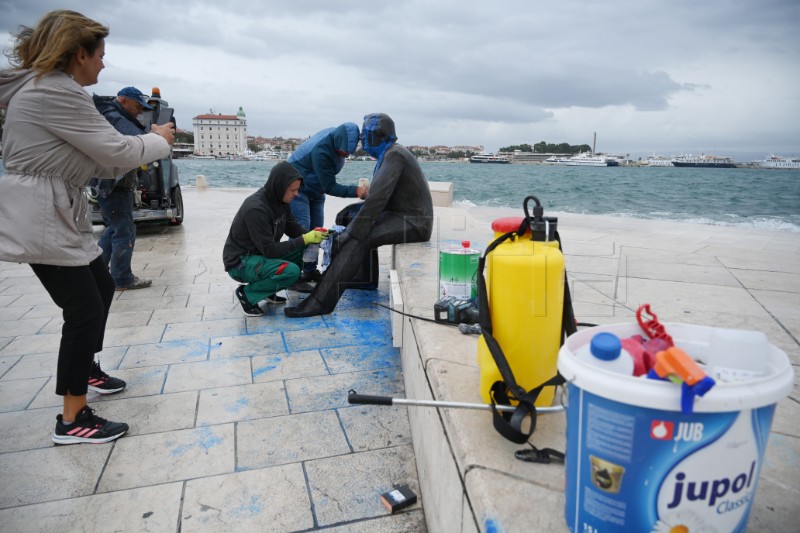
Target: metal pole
{"type": "Point", "coordinates": [353, 397]}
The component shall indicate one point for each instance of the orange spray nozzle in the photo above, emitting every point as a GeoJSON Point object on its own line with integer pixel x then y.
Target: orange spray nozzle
{"type": "Point", "coordinates": [675, 365]}
{"type": "Point", "coordinates": [676, 362]}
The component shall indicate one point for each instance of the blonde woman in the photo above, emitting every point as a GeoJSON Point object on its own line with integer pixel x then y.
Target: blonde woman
{"type": "Point", "coordinates": [54, 141]}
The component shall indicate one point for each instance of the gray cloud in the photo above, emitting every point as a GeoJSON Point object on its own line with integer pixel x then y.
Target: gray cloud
{"type": "Point", "coordinates": [646, 74]}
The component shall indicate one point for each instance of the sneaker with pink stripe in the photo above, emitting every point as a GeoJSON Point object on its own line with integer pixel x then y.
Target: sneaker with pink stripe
{"type": "Point", "coordinates": [87, 427]}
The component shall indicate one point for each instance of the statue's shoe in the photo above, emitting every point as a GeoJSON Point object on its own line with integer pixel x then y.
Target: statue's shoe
{"type": "Point", "coordinates": [308, 307]}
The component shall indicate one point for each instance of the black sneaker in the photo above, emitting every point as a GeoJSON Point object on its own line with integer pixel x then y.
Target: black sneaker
{"type": "Point", "coordinates": [102, 383]}
{"type": "Point", "coordinates": [88, 427]}
{"type": "Point", "coordinates": [137, 283]}
{"type": "Point", "coordinates": [275, 299]}
{"type": "Point", "coordinates": [247, 308]}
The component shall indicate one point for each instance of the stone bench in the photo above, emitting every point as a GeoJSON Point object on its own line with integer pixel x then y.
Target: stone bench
{"type": "Point", "coordinates": [441, 193]}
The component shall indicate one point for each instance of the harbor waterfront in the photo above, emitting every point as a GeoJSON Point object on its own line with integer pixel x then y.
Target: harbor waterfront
{"type": "Point", "coordinates": [753, 198]}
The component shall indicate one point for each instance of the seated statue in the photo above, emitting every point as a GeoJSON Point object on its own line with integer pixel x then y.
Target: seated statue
{"type": "Point", "coordinates": [398, 210]}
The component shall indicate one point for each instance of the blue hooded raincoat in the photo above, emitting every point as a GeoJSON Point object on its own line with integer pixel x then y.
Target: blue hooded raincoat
{"type": "Point", "coordinates": [318, 160]}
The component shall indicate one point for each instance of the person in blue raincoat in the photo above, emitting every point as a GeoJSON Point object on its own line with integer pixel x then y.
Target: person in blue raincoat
{"type": "Point", "coordinates": [318, 160]}
{"type": "Point", "coordinates": [399, 210]}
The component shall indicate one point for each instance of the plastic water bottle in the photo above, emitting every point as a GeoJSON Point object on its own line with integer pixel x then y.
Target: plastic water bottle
{"type": "Point", "coordinates": [605, 351]}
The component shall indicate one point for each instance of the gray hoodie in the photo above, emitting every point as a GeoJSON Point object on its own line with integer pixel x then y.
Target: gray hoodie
{"type": "Point", "coordinates": [54, 141]}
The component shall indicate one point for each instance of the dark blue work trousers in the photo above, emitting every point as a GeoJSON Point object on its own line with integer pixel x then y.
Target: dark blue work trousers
{"type": "Point", "coordinates": [120, 234]}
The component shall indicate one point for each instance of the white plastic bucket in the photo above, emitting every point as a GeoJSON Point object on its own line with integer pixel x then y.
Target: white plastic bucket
{"type": "Point", "coordinates": [636, 463]}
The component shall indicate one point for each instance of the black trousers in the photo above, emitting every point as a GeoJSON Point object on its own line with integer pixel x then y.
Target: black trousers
{"type": "Point", "coordinates": [84, 294]}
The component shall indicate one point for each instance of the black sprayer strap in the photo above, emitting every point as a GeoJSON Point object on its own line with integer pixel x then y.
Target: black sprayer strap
{"type": "Point", "coordinates": [509, 424]}
{"type": "Point", "coordinates": [485, 320]}
{"type": "Point", "coordinates": [539, 455]}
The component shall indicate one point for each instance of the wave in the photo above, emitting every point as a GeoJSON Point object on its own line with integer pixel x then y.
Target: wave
{"type": "Point", "coordinates": [761, 223]}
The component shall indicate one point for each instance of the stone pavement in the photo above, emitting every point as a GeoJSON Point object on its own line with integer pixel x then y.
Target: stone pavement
{"type": "Point", "coordinates": [257, 434]}
{"type": "Point", "coordinates": [236, 423]}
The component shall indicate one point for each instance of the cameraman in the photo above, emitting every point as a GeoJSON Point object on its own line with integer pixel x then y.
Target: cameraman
{"type": "Point", "coordinates": [116, 196]}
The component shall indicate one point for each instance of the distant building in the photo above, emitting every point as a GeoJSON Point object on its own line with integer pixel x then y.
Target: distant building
{"type": "Point", "coordinates": [220, 135]}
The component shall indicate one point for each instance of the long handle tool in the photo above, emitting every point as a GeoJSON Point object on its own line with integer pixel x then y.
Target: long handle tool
{"type": "Point", "coordinates": [367, 399]}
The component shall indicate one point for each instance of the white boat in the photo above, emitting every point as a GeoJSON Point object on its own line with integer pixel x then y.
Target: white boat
{"type": "Point", "coordinates": [196, 156]}
{"type": "Point", "coordinates": [557, 160]}
{"type": "Point", "coordinates": [587, 159]}
{"type": "Point", "coordinates": [778, 161]}
{"type": "Point", "coordinates": [489, 158]}
{"type": "Point", "coordinates": [265, 156]}
{"type": "Point", "coordinates": [659, 161]}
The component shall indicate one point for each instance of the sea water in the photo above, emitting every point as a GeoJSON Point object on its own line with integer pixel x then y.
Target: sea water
{"type": "Point", "coordinates": [754, 198]}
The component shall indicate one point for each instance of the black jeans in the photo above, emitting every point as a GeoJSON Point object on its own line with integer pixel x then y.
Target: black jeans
{"type": "Point", "coordinates": [84, 294]}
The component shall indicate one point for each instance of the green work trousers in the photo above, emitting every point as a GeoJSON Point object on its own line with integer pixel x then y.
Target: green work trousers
{"type": "Point", "coordinates": [264, 277]}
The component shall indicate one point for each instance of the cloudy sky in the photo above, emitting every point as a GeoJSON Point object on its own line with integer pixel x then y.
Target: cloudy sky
{"type": "Point", "coordinates": [663, 76]}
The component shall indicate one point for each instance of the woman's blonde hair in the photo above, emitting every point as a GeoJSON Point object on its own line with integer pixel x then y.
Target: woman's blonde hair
{"type": "Point", "coordinates": [57, 37]}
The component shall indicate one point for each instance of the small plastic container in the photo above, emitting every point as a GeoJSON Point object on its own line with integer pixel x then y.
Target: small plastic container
{"type": "Point", "coordinates": [736, 355]}
{"type": "Point", "coordinates": [605, 351]}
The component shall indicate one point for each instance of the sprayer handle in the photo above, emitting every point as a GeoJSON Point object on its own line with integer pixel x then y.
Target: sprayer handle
{"type": "Point", "coordinates": [367, 399]}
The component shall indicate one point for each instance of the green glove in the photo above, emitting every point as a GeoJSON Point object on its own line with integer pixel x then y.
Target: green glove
{"type": "Point", "coordinates": [314, 237]}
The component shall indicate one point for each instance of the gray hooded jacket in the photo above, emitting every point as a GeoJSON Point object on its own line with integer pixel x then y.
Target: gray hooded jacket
{"type": "Point", "coordinates": [54, 141]}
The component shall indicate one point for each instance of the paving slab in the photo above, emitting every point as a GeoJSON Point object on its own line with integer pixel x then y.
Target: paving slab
{"type": "Point", "coordinates": [170, 456]}
{"type": "Point", "coordinates": [145, 509]}
{"type": "Point", "coordinates": [274, 499]}
{"type": "Point", "coordinates": [348, 488]}
{"type": "Point", "coordinates": [241, 402]}
{"type": "Point", "coordinates": [70, 471]}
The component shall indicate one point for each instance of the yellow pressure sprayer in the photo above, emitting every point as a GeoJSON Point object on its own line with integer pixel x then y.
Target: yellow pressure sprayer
{"type": "Point", "coordinates": [525, 314]}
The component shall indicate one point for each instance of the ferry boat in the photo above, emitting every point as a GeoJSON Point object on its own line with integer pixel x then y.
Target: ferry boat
{"type": "Point", "coordinates": [265, 156]}
{"type": "Point", "coordinates": [778, 161]}
{"type": "Point", "coordinates": [489, 158]}
{"type": "Point", "coordinates": [703, 161]}
{"type": "Point", "coordinates": [587, 159]}
{"type": "Point", "coordinates": [659, 161]}
{"type": "Point", "coordinates": [557, 160]}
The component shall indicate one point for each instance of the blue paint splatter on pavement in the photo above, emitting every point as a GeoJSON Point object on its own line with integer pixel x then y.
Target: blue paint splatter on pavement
{"type": "Point", "coordinates": [490, 526]}
{"type": "Point", "coordinates": [238, 405]}
{"type": "Point", "coordinates": [263, 370]}
{"type": "Point", "coordinates": [271, 363]}
{"type": "Point", "coordinates": [206, 440]}
{"type": "Point", "coordinates": [251, 508]}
